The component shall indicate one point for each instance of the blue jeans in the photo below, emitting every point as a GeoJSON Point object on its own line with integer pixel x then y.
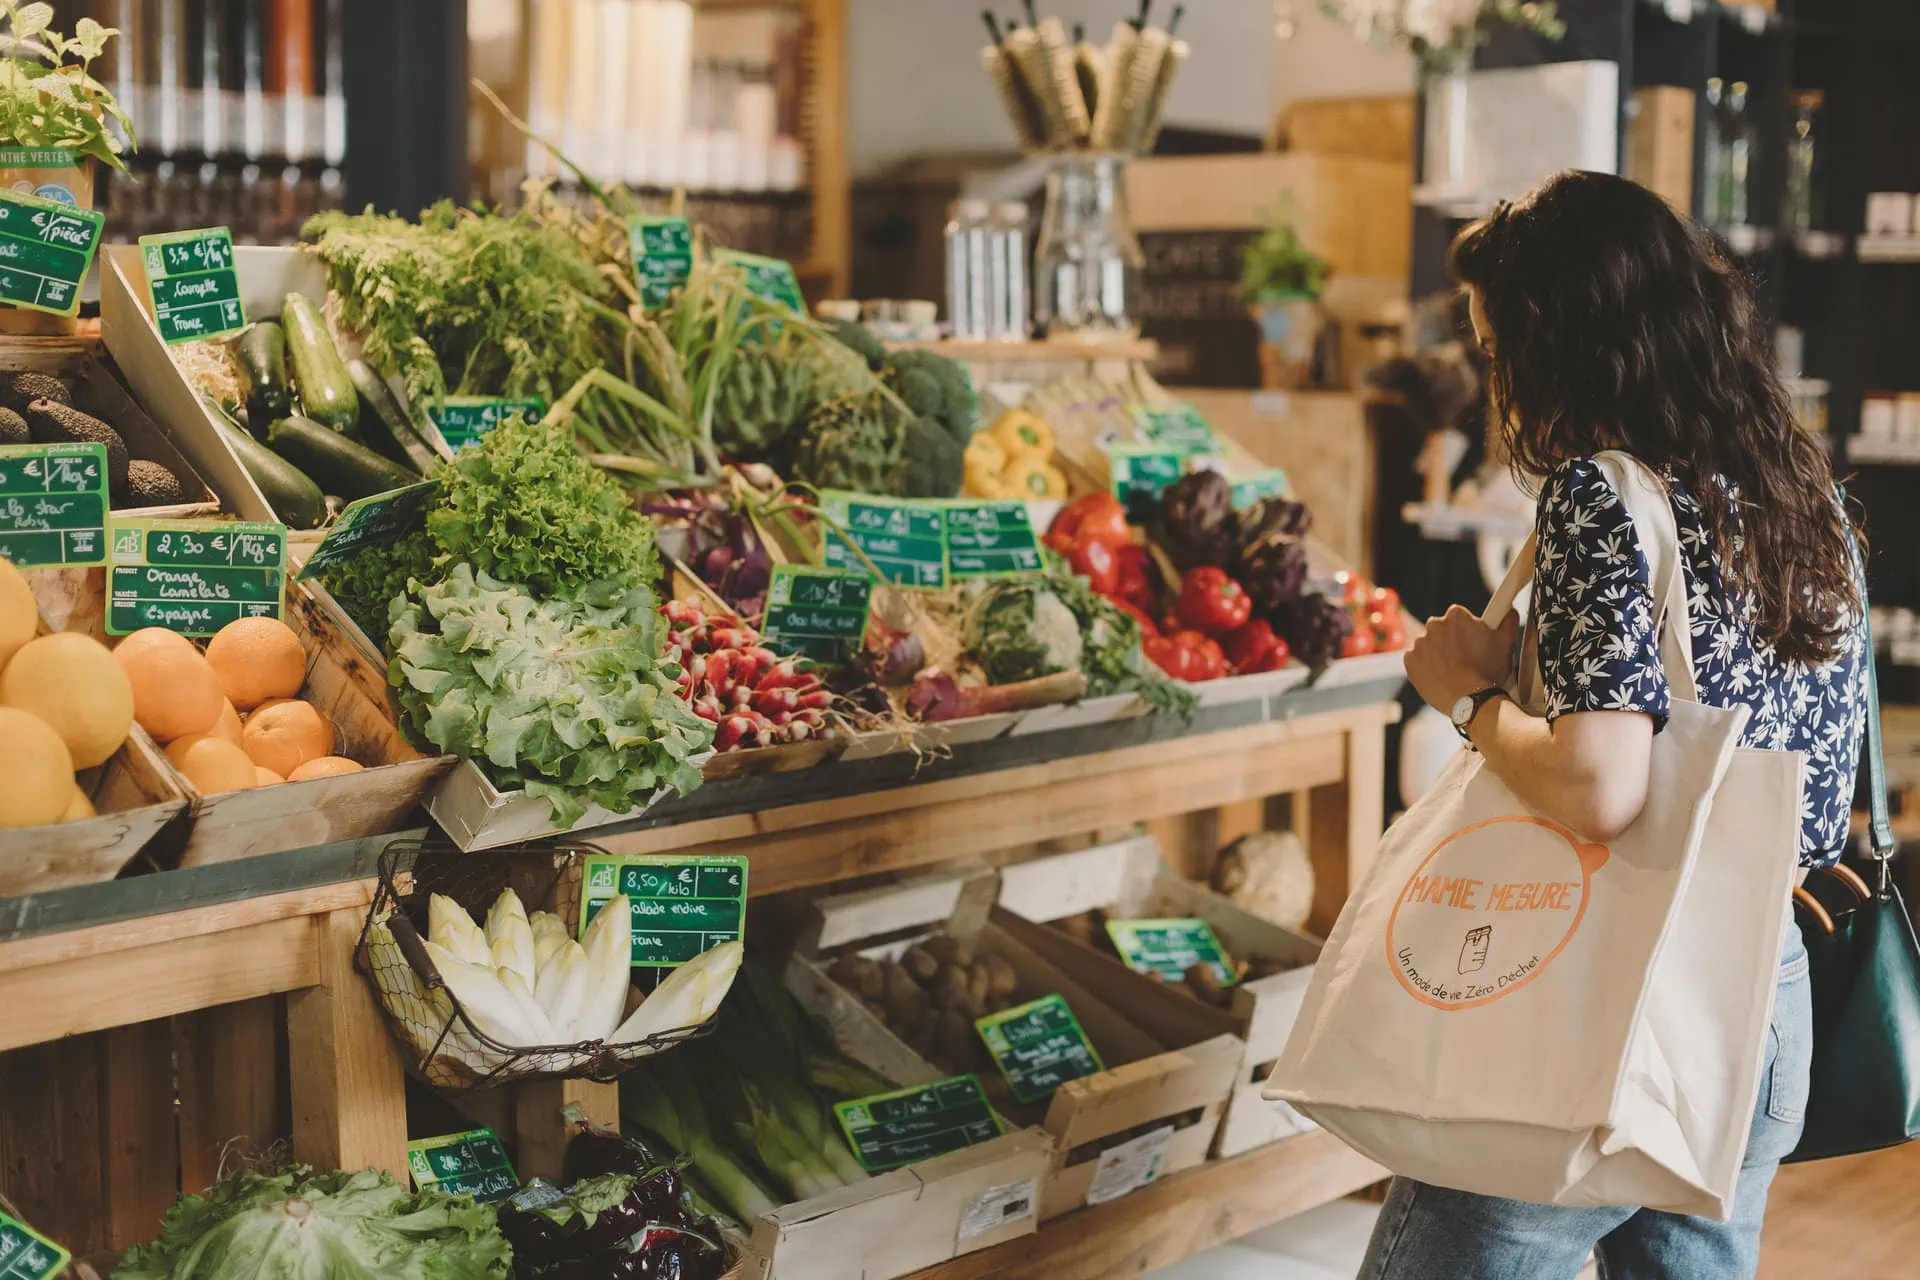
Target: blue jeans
{"type": "Point", "coordinates": [1429, 1233]}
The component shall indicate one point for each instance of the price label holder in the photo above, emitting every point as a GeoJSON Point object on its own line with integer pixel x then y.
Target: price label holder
{"type": "Point", "coordinates": [464, 419]}
{"type": "Point", "coordinates": [662, 248]}
{"type": "Point", "coordinates": [53, 504]}
{"type": "Point", "coordinates": [1140, 473]}
{"type": "Point", "coordinates": [1167, 948]}
{"type": "Point", "coordinates": [193, 576]}
{"type": "Point", "coordinates": [905, 540]}
{"type": "Point", "coordinates": [379, 521]}
{"type": "Point", "coordinates": [988, 538]}
{"type": "Point", "coordinates": [195, 289]}
{"type": "Point", "coordinates": [681, 906]}
{"type": "Point", "coordinates": [473, 1163]}
{"type": "Point", "coordinates": [46, 250]}
{"type": "Point", "coordinates": [25, 1254]}
{"type": "Point", "coordinates": [1179, 426]}
{"type": "Point", "coordinates": [904, 1127]}
{"type": "Point", "coordinates": [819, 614]}
{"type": "Point", "coordinates": [769, 279]}
{"type": "Point", "coordinates": [1038, 1047]}
{"type": "Point", "coordinates": [1255, 485]}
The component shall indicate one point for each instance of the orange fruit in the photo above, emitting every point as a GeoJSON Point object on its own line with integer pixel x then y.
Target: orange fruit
{"type": "Point", "coordinates": [266, 777]}
{"type": "Point", "coordinates": [37, 769]}
{"type": "Point", "coordinates": [175, 693]}
{"type": "Point", "coordinates": [212, 764]}
{"type": "Point", "coordinates": [228, 725]}
{"type": "Point", "coordinates": [72, 682]}
{"type": "Point", "coordinates": [324, 767]}
{"type": "Point", "coordinates": [257, 659]}
{"type": "Point", "coordinates": [284, 735]}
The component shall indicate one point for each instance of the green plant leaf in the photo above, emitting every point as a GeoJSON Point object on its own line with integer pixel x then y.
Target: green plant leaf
{"type": "Point", "coordinates": [30, 20]}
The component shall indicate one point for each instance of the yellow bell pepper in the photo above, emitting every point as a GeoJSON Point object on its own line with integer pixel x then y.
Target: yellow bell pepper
{"type": "Point", "coordinates": [985, 452]}
{"type": "Point", "coordinates": [1032, 478]}
{"type": "Point", "coordinates": [1024, 435]}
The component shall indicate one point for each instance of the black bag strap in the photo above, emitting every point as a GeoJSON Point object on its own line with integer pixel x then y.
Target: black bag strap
{"type": "Point", "coordinates": [1879, 823]}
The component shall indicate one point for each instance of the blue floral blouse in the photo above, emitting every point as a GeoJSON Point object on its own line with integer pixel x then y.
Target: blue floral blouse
{"type": "Point", "coordinates": [1599, 649]}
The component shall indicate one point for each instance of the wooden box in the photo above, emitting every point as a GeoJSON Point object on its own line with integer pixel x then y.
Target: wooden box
{"type": "Point", "coordinates": [136, 793]}
{"type": "Point", "coordinates": [1128, 879]}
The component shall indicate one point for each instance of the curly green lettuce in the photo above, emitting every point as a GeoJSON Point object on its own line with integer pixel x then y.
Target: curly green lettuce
{"type": "Point", "coordinates": [571, 700]}
{"type": "Point", "coordinates": [367, 583]}
{"type": "Point", "coordinates": [523, 505]}
{"type": "Point", "coordinates": [298, 1225]}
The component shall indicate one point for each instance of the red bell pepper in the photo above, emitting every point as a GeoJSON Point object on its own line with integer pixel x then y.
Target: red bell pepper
{"type": "Point", "coordinates": [1213, 603]}
{"type": "Point", "coordinates": [1255, 647]}
{"type": "Point", "coordinates": [1094, 560]}
{"type": "Point", "coordinates": [1186, 655]}
{"type": "Point", "coordinates": [1097, 514]}
{"type": "Point", "coordinates": [1147, 625]}
{"type": "Point", "coordinates": [1135, 584]}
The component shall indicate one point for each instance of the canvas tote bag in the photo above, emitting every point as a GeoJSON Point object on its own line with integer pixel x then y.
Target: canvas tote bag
{"type": "Point", "coordinates": [1507, 1008]}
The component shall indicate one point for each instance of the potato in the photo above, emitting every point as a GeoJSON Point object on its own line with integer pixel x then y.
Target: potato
{"type": "Point", "coordinates": [1001, 978]}
{"type": "Point", "coordinates": [920, 962]}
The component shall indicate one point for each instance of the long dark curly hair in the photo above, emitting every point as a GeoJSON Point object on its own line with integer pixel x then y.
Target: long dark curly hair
{"type": "Point", "coordinates": [1617, 324]}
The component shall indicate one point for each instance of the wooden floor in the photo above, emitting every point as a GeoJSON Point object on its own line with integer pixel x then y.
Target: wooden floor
{"type": "Point", "coordinates": [1857, 1218]}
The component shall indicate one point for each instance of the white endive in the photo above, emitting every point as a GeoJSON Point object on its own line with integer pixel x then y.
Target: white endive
{"type": "Point", "coordinates": [549, 931]}
{"type": "Point", "coordinates": [510, 936]}
{"type": "Point", "coordinates": [690, 995]}
{"type": "Point", "coordinates": [488, 1004]}
{"type": "Point", "coordinates": [449, 926]}
{"type": "Point", "coordinates": [609, 944]}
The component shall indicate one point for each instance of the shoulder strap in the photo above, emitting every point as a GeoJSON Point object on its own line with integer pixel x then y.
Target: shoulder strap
{"type": "Point", "coordinates": [1650, 502]}
{"type": "Point", "coordinates": [1879, 821]}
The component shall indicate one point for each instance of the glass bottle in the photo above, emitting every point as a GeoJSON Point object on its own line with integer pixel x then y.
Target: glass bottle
{"type": "Point", "coordinates": [1739, 154]}
{"type": "Point", "coordinates": [967, 270]}
{"type": "Point", "coordinates": [1798, 213]}
{"type": "Point", "coordinates": [1087, 259]}
{"type": "Point", "coordinates": [1011, 242]}
{"type": "Point", "coordinates": [1714, 180]}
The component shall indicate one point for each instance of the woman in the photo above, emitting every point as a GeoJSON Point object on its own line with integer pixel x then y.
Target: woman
{"type": "Point", "coordinates": [1610, 323]}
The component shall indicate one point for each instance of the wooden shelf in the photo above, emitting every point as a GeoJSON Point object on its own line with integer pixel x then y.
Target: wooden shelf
{"type": "Point", "coordinates": [1178, 1217]}
{"type": "Point", "coordinates": [1008, 352]}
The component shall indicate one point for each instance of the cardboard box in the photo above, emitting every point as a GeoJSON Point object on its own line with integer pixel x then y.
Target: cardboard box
{"type": "Point", "coordinates": [1660, 143]}
{"type": "Point", "coordinates": [1128, 880]}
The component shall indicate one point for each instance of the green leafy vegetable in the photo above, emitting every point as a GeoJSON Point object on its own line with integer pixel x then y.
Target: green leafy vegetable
{"type": "Point", "coordinates": [1021, 627]}
{"type": "Point", "coordinates": [367, 582]}
{"type": "Point", "coordinates": [47, 101]}
{"type": "Point", "coordinates": [572, 700]}
{"type": "Point", "coordinates": [522, 505]}
{"type": "Point", "coordinates": [297, 1225]}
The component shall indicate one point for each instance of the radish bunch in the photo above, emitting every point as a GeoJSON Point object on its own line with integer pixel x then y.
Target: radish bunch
{"type": "Point", "coordinates": [753, 696]}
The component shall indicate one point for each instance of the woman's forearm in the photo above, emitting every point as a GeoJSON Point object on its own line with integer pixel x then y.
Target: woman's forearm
{"type": "Point", "coordinates": [1588, 771]}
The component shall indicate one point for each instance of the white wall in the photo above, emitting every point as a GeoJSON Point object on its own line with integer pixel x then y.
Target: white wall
{"type": "Point", "coordinates": [1323, 59]}
{"type": "Point", "coordinates": [918, 87]}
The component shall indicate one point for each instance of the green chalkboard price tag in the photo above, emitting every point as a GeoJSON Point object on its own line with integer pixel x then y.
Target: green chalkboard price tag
{"type": "Point", "coordinates": [905, 540]}
{"type": "Point", "coordinates": [1255, 485]}
{"type": "Point", "coordinates": [196, 291]}
{"type": "Point", "coordinates": [662, 248]}
{"type": "Point", "coordinates": [379, 521]}
{"type": "Point", "coordinates": [53, 504]}
{"type": "Point", "coordinates": [681, 906]}
{"type": "Point", "coordinates": [1179, 426]}
{"type": "Point", "coordinates": [193, 576]}
{"type": "Point", "coordinates": [907, 1126]}
{"type": "Point", "coordinates": [46, 250]}
{"type": "Point", "coordinates": [471, 1163]}
{"type": "Point", "coordinates": [1039, 1046]}
{"type": "Point", "coordinates": [1139, 474]}
{"type": "Point", "coordinates": [986, 538]}
{"type": "Point", "coordinates": [820, 614]}
{"type": "Point", "coordinates": [769, 279]}
{"type": "Point", "coordinates": [1168, 948]}
{"type": "Point", "coordinates": [464, 419]}
{"type": "Point", "coordinates": [25, 1254]}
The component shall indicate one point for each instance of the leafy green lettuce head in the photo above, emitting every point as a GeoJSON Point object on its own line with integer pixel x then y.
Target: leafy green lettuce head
{"type": "Point", "coordinates": [333, 1226]}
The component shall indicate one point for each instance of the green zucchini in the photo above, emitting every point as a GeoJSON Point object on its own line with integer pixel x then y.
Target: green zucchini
{"type": "Point", "coordinates": [292, 494]}
{"type": "Point", "coordinates": [319, 375]}
{"type": "Point", "coordinates": [262, 351]}
{"type": "Point", "coordinates": [339, 465]}
{"type": "Point", "coordinates": [381, 423]}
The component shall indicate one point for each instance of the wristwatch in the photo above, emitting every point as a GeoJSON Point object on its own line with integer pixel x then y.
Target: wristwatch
{"type": "Point", "coordinates": [1465, 709]}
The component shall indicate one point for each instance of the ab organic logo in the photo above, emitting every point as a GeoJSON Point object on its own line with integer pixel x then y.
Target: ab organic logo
{"type": "Point", "coordinates": [1489, 909]}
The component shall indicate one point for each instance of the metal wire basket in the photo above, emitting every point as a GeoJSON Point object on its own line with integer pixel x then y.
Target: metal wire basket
{"type": "Point", "coordinates": [442, 1043]}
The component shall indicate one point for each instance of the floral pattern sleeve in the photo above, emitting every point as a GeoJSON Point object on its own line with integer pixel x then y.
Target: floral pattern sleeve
{"type": "Point", "coordinates": [1599, 650]}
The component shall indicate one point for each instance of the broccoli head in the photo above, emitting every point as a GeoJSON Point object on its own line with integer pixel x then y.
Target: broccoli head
{"type": "Point", "coordinates": [936, 463]}
{"type": "Point", "coordinates": [958, 406]}
{"type": "Point", "coordinates": [859, 339]}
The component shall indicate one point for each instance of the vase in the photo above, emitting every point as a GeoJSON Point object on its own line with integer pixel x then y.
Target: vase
{"type": "Point", "coordinates": [51, 174]}
{"type": "Point", "coordinates": [1087, 260]}
{"type": "Point", "coordinates": [1289, 335]}
{"type": "Point", "coordinates": [1444, 149]}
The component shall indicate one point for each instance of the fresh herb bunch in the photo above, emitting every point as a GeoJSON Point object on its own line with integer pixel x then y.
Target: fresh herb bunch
{"type": "Point", "coordinates": [572, 700]}
{"type": "Point", "coordinates": [522, 505]}
{"type": "Point", "coordinates": [467, 302]}
{"type": "Point", "coordinates": [1016, 631]}
{"type": "Point", "coordinates": [367, 582]}
{"type": "Point", "coordinates": [47, 97]}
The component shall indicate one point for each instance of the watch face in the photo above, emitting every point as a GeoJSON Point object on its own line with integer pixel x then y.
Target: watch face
{"type": "Point", "coordinates": [1463, 711]}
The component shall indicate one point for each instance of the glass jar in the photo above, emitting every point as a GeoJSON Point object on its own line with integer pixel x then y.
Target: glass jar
{"type": "Point", "coordinates": [967, 265]}
{"type": "Point", "coordinates": [1087, 260]}
{"type": "Point", "coordinates": [1013, 312]}
{"type": "Point", "coordinates": [1798, 212]}
{"type": "Point", "coordinates": [1714, 184]}
{"type": "Point", "coordinates": [1739, 155]}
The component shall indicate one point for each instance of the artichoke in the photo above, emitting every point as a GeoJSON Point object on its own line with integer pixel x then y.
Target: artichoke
{"type": "Point", "coordinates": [1314, 627]}
{"type": "Point", "coordinates": [853, 442]}
{"type": "Point", "coordinates": [1271, 560]}
{"type": "Point", "coordinates": [765, 395]}
{"type": "Point", "coordinates": [1196, 521]}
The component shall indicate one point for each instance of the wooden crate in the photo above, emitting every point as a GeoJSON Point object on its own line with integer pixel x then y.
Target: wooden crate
{"type": "Point", "coordinates": [1166, 1061]}
{"type": "Point", "coordinates": [1128, 878]}
{"type": "Point", "coordinates": [136, 794]}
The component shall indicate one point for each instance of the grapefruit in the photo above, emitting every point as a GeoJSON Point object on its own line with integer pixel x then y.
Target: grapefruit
{"type": "Point", "coordinates": [37, 769]}
{"type": "Point", "coordinates": [72, 682]}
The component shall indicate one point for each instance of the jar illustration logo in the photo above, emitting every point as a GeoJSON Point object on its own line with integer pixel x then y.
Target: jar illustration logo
{"type": "Point", "coordinates": [1489, 909]}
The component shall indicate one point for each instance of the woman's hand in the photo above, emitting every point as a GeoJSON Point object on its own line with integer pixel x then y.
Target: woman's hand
{"type": "Point", "coordinates": [1459, 656]}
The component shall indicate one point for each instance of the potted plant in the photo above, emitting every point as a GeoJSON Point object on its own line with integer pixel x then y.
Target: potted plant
{"type": "Point", "coordinates": [1281, 279]}
{"type": "Point", "coordinates": [55, 120]}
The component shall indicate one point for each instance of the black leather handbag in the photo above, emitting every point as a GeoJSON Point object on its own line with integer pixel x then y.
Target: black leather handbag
{"type": "Point", "coordinates": [1865, 971]}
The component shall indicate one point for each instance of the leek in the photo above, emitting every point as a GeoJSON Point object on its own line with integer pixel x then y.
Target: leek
{"type": "Point", "coordinates": [665, 1105]}
{"type": "Point", "coordinates": [842, 1078]}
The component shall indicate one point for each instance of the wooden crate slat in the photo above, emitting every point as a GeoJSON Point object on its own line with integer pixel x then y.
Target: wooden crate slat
{"type": "Point", "coordinates": [139, 1148]}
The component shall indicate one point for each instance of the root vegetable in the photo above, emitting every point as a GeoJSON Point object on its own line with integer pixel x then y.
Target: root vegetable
{"type": "Point", "coordinates": [1205, 984]}
{"type": "Point", "coordinates": [920, 963]}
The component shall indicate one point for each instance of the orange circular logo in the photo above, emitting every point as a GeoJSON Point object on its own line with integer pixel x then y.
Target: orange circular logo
{"type": "Point", "coordinates": [1488, 909]}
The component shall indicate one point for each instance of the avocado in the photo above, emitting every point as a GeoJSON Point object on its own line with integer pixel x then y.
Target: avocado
{"type": "Point", "coordinates": [18, 390]}
{"type": "Point", "coordinates": [150, 485]}
{"type": "Point", "coordinates": [13, 428]}
{"type": "Point", "coordinates": [52, 422]}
